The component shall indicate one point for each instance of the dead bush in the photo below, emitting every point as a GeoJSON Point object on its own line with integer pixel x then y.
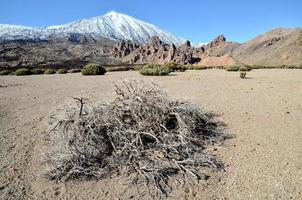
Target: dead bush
{"type": "Point", "coordinates": [142, 134]}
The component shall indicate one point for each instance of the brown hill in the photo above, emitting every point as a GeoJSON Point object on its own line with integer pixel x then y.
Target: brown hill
{"type": "Point", "coordinates": [56, 52]}
{"type": "Point", "coordinates": [274, 48]}
{"type": "Point", "coordinates": [277, 47]}
{"type": "Point", "coordinates": [214, 61]}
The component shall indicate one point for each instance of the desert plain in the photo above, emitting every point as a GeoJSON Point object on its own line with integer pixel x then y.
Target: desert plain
{"type": "Point", "coordinates": [263, 113]}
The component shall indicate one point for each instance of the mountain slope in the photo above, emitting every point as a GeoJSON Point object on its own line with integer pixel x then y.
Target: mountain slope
{"type": "Point", "coordinates": [276, 47]}
{"type": "Point", "coordinates": [113, 25]}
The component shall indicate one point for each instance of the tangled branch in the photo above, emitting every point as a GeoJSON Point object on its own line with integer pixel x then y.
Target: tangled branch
{"type": "Point", "coordinates": [142, 132]}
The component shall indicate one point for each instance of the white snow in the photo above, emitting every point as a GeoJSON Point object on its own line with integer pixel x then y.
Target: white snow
{"type": "Point", "coordinates": [199, 44]}
{"type": "Point", "coordinates": [112, 25]}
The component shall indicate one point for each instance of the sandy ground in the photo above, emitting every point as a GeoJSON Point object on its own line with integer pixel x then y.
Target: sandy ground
{"type": "Point", "coordinates": [263, 112]}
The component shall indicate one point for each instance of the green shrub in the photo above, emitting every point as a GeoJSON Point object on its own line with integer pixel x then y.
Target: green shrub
{"type": "Point", "coordinates": [256, 67]}
{"type": "Point", "coordinates": [22, 72]}
{"type": "Point", "coordinates": [243, 69]}
{"type": "Point", "coordinates": [248, 67]}
{"type": "Point", "coordinates": [292, 67]}
{"type": "Point", "coordinates": [93, 69]}
{"type": "Point", "coordinates": [50, 71]}
{"type": "Point", "coordinates": [232, 68]}
{"type": "Point", "coordinates": [175, 67]}
{"type": "Point", "coordinates": [155, 70]}
{"type": "Point", "coordinates": [62, 71]}
{"type": "Point", "coordinates": [74, 71]}
{"type": "Point", "coordinates": [37, 71]}
{"type": "Point", "coordinates": [5, 72]}
{"type": "Point", "coordinates": [242, 75]}
{"type": "Point", "coordinates": [137, 67]}
{"type": "Point", "coordinates": [199, 67]}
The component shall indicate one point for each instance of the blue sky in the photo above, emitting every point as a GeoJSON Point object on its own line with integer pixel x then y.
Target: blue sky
{"type": "Point", "coordinates": [196, 20]}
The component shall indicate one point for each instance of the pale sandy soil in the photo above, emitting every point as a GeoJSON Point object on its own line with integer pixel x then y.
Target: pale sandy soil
{"type": "Point", "coordinates": [263, 112]}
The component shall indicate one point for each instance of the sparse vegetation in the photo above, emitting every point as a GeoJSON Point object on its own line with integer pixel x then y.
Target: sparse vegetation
{"type": "Point", "coordinates": [74, 71]}
{"type": "Point", "coordinates": [243, 69]}
{"type": "Point", "coordinates": [155, 70]}
{"type": "Point", "coordinates": [22, 72]}
{"type": "Point", "coordinates": [117, 69]}
{"type": "Point", "coordinates": [242, 75]}
{"type": "Point", "coordinates": [93, 69]}
{"type": "Point", "coordinates": [5, 72]}
{"type": "Point", "coordinates": [174, 67]}
{"type": "Point", "coordinates": [62, 71]}
{"type": "Point", "coordinates": [276, 67]}
{"type": "Point", "coordinates": [137, 67]}
{"type": "Point", "coordinates": [199, 67]}
{"type": "Point", "coordinates": [49, 71]}
{"type": "Point", "coordinates": [292, 67]}
{"type": "Point", "coordinates": [142, 134]}
{"type": "Point", "coordinates": [37, 71]}
{"type": "Point", "coordinates": [248, 67]}
{"type": "Point", "coordinates": [232, 68]}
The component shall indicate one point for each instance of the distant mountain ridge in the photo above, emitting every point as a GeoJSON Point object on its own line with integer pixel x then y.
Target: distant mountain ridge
{"type": "Point", "coordinates": [118, 39]}
{"type": "Point", "coordinates": [113, 25]}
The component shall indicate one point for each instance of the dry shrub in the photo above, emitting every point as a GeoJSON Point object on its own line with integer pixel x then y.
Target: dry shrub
{"type": "Point", "coordinates": [93, 69]}
{"type": "Point", "coordinates": [142, 134]}
{"type": "Point", "coordinates": [37, 71]}
{"type": "Point", "coordinates": [232, 68]}
{"type": "Point", "coordinates": [5, 72]}
{"type": "Point", "coordinates": [49, 71]}
{"type": "Point", "coordinates": [174, 67]}
{"type": "Point", "coordinates": [62, 71]}
{"type": "Point", "coordinates": [22, 72]}
{"type": "Point", "coordinates": [155, 70]}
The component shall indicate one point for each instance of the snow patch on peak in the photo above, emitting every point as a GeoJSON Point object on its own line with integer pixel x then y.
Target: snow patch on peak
{"type": "Point", "coordinates": [113, 25]}
{"type": "Point", "coordinates": [112, 13]}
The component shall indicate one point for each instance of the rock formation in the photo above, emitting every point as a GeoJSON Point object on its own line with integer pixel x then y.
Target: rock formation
{"type": "Point", "coordinates": [159, 52]}
{"type": "Point", "coordinates": [277, 47]}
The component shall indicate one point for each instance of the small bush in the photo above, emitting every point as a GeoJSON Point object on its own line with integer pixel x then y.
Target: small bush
{"type": "Point", "coordinates": [37, 71]}
{"type": "Point", "coordinates": [62, 71]}
{"type": "Point", "coordinates": [199, 67]}
{"type": "Point", "coordinates": [137, 67]}
{"type": "Point", "coordinates": [232, 68]}
{"type": "Point", "coordinates": [175, 67]}
{"type": "Point", "coordinates": [5, 72]}
{"type": "Point", "coordinates": [93, 69]}
{"type": "Point", "coordinates": [243, 69]}
{"type": "Point", "coordinates": [22, 72]}
{"type": "Point", "coordinates": [248, 67]}
{"type": "Point", "coordinates": [74, 71]}
{"type": "Point", "coordinates": [257, 67]}
{"type": "Point", "coordinates": [50, 71]}
{"type": "Point", "coordinates": [155, 70]}
{"type": "Point", "coordinates": [242, 75]}
{"type": "Point", "coordinates": [292, 67]}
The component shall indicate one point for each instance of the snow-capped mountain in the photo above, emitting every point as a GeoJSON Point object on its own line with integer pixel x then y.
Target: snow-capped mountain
{"type": "Point", "coordinates": [112, 25]}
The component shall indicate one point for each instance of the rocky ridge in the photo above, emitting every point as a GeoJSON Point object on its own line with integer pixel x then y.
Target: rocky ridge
{"type": "Point", "coordinates": [275, 48]}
